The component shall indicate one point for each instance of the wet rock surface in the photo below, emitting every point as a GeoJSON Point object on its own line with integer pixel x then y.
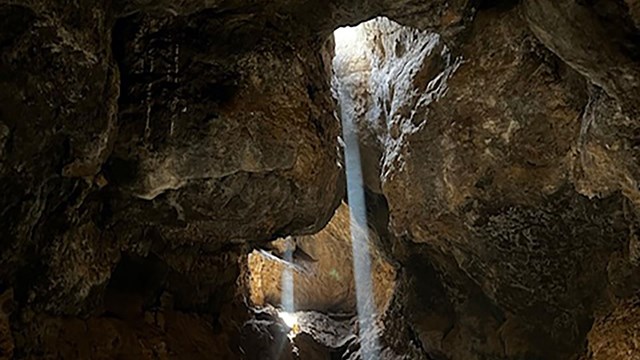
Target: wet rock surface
{"type": "Point", "coordinates": [147, 147]}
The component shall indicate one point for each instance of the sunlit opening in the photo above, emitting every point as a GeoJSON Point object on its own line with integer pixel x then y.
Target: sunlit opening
{"type": "Point", "coordinates": [346, 35]}
{"type": "Point", "coordinates": [350, 49]}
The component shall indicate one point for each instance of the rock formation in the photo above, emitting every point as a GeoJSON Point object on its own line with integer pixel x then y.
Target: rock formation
{"type": "Point", "coordinates": [148, 147]}
{"type": "Point", "coordinates": [324, 283]}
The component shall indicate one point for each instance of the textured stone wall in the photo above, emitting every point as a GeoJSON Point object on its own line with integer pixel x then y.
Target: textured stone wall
{"type": "Point", "coordinates": [146, 147]}
{"type": "Point", "coordinates": [507, 167]}
{"type": "Point", "coordinates": [325, 283]}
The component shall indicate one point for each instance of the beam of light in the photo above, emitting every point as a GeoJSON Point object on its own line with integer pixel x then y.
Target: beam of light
{"type": "Point", "coordinates": [287, 299]}
{"type": "Point", "coordinates": [345, 38]}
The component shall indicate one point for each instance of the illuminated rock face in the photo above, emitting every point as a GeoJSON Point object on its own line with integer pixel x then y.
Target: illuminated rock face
{"type": "Point", "coordinates": [507, 171]}
{"type": "Point", "coordinates": [147, 147]}
{"type": "Point", "coordinates": [326, 284]}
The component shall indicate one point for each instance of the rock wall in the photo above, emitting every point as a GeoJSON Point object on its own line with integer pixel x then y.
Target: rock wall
{"type": "Point", "coordinates": [146, 147]}
{"type": "Point", "coordinates": [502, 174]}
{"type": "Point", "coordinates": [326, 281]}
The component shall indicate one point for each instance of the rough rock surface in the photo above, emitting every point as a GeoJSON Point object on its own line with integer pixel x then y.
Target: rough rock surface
{"type": "Point", "coordinates": [156, 335]}
{"type": "Point", "coordinates": [316, 336]}
{"type": "Point", "coordinates": [216, 149]}
{"type": "Point", "coordinates": [146, 147]}
{"type": "Point", "coordinates": [615, 336]}
{"type": "Point", "coordinates": [326, 284]}
{"type": "Point", "coordinates": [571, 28]}
{"type": "Point", "coordinates": [506, 171]}
{"type": "Point", "coordinates": [58, 112]}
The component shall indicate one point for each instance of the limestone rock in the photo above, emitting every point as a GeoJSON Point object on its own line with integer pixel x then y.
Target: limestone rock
{"type": "Point", "coordinates": [58, 108]}
{"type": "Point", "coordinates": [570, 28]}
{"type": "Point", "coordinates": [479, 141]}
{"type": "Point", "coordinates": [326, 284]}
{"type": "Point", "coordinates": [146, 147]}
{"type": "Point", "coordinates": [7, 345]}
{"type": "Point", "coordinates": [161, 336]}
{"type": "Point", "coordinates": [217, 149]}
{"type": "Point", "coordinates": [615, 336]}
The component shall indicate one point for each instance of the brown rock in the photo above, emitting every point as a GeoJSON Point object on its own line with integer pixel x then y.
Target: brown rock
{"type": "Point", "coordinates": [571, 28]}
{"type": "Point", "coordinates": [184, 335]}
{"type": "Point", "coordinates": [7, 345]}
{"type": "Point", "coordinates": [326, 284]}
{"type": "Point", "coordinates": [58, 113]}
{"type": "Point", "coordinates": [478, 147]}
{"type": "Point", "coordinates": [237, 164]}
{"type": "Point", "coordinates": [147, 146]}
{"type": "Point", "coordinates": [616, 335]}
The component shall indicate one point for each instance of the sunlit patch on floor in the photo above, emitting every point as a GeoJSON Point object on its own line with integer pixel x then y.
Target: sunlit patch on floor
{"type": "Point", "coordinates": [290, 319]}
